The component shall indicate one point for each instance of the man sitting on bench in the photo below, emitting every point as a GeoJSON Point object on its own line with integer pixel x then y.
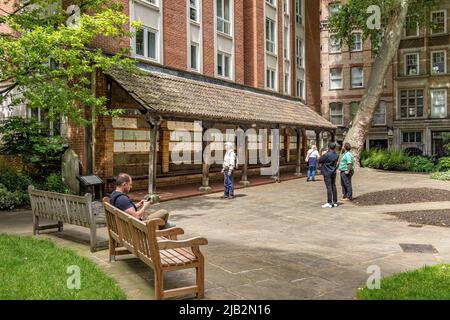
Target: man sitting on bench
{"type": "Point", "coordinates": [120, 200]}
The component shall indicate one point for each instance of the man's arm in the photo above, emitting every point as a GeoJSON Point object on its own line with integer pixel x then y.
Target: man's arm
{"type": "Point", "coordinates": [323, 158]}
{"type": "Point", "coordinates": [139, 213]}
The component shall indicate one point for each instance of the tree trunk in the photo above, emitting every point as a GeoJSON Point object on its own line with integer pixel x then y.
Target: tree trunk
{"type": "Point", "coordinates": [363, 120]}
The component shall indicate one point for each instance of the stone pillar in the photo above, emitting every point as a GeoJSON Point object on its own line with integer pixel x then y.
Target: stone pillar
{"type": "Point", "coordinates": [154, 123]}
{"type": "Point", "coordinates": [205, 156]}
{"type": "Point", "coordinates": [298, 166]}
{"type": "Point", "coordinates": [244, 180]}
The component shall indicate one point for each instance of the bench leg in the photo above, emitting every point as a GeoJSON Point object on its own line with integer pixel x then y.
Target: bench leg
{"type": "Point", "coordinates": [159, 284]}
{"type": "Point", "coordinates": [35, 225]}
{"type": "Point", "coordinates": [200, 277]}
{"type": "Point", "coordinates": [60, 226]}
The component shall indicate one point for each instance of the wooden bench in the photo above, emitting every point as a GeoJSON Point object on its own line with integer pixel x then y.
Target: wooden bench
{"type": "Point", "coordinates": [66, 208]}
{"type": "Point", "coordinates": [159, 249]}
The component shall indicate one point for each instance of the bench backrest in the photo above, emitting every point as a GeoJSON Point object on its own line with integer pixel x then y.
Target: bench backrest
{"type": "Point", "coordinates": [62, 207]}
{"type": "Point", "coordinates": [111, 220]}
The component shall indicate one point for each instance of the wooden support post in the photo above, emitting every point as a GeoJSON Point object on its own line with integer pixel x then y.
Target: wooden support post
{"type": "Point", "coordinates": [154, 123]}
{"type": "Point", "coordinates": [318, 140]}
{"type": "Point", "coordinates": [287, 143]}
{"type": "Point", "coordinates": [244, 179]}
{"type": "Point", "coordinates": [298, 166]}
{"type": "Point", "coordinates": [304, 143]}
{"type": "Point", "coordinates": [276, 159]}
{"type": "Point", "coordinates": [206, 158]}
{"type": "Point", "coordinates": [165, 150]}
{"type": "Point", "coordinates": [333, 136]}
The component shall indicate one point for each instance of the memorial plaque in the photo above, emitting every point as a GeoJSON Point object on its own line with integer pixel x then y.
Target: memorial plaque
{"type": "Point", "coordinates": [130, 123]}
{"type": "Point", "coordinates": [91, 180]}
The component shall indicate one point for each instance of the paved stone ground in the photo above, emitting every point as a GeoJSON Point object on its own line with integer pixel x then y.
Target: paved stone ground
{"type": "Point", "coordinates": [276, 242]}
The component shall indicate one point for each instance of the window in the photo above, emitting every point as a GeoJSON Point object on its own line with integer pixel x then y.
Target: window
{"type": "Point", "coordinates": [439, 103]}
{"type": "Point", "coordinates": [412, 64]}
{"type": "Point", "coordinates": [336, 79]}
{"type": "Point", "coordinates": [411, 27]}
{"type": "Point", "coordinates": [379, 117]}
{"type": "Point", "coordinates": [299, 52]}
{"type": "Point", "coordinates": [438, 20]}
{"type": "Point", "coordinates": [270, 79]}
{"type": "Point", "coordinates": [286, 43]}
{"type": "Point", "coordinates": [438, 62]}
{"type": "Point", "coordinates": [335, 44]}
{"type": "Point", "coordinates": [151, 2]}
{"type": "Point", "coordinates": [298, 11]}
{"type": "Point", "coordinates": [194, 57]}
{"type": "Point", "coordinates": [223, 65]}
{"type": "Point", "coordinates": [286, 7]}
{"type": "Point", "coordinates": [146, 43]}
{"type": "Point", "coordinates": [412, 137]}
{"type": "Point", "coordinates": [336, 117]}
{"type": "Point", "coordinates": [354, 106]}
{"type": "Point", "coordinates": [193, 10]}
{"type": "Point", "coordinates": [223, 16]}
{"type": "Point", "coordinates": [299, 88]}
{"type": "Point", "coordinates": [333, 8]}
{"type": "Point", "coordinates": [357, 42]}
{"type": "Point", "coordinates": [411, 103]}
{"type": "Point", "coordinates": [357, 77]}
{"type": "Point", "coordinates": [271, 2]}
{"type": "Point", "coordinates": [270, 35]}
{"type": "Point", "coordinates": [287, 83]}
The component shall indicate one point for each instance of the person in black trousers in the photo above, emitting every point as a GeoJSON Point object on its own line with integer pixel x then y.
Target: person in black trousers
{"type": "Point", "coordinates": [329, 165]}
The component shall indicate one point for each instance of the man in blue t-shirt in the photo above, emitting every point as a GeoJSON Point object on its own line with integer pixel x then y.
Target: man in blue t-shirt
{"type": "Point", "coordinates": [120, 200]}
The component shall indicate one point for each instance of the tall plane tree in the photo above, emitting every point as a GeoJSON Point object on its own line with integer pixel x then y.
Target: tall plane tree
{"type": "Point", "coordinates": [382, 22]}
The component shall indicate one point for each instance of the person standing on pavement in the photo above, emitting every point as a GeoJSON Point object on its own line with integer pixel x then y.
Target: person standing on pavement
{"type": "Point", "coordinates": [329, 166]}
{"type": "Point", "coordinates": [228, 167]}
{"type": "Point", "coordinates": [346, 167]}
{"type": "Point", "coordinates": [312, 159]}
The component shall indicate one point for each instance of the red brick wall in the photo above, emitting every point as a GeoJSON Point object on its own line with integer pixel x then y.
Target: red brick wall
{"type": "Point", "coordinates": [208, 38]}
{"type": "Point", "coordinates": [280, 47]}
{"type": "Point", "coordinates": [175, 34]}
{"type": "Point", "coordinates": [239, 41]}
{"type": "Point", "coordinates": [312, 54]}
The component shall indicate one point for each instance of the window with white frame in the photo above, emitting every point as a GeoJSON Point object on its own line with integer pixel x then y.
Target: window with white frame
{"type": "Point", "coordinates": [357, 77]}
{"type": "Point", "coordinates": [286, 43]}
{"type": "Point", "coordinates": [438, 20]}
{"type": "Point", "coordinates": [334, 8]}
{"type": "Point", "coordinates": [286, 7]}
{"type": "Point", "coordinates": [195, 56]}
{"type": "Point", "coordinates": [193, 10]}
{"type": "Point", "coordinates": [411, 103]}
{"type": "Point", "coordinates": [412, 137]}
{"type": "Point", "coordinates": [357, 44]}
{"type": "Point", "coordinates": [439, 103]}
{"type": "Point", "coordinates": [146, 43]}
{"type": "Point", "coordinates": [224, 65]}
{"type": "Point", "coordinates": [153, 2]}
{"type": "Point", "coordinates": [287, 83]}
{"type": "Point", "coordinates": [438, 62]}
{"type": "Point", "coordinates": [270, 36]}
{"type": "Point", "coordinates": [336, 114]}
{"type": "Point", "coordinates": [299, 87]}
{"type": "Point", "coordinates": [379, 117]}
{"type": "Point", "coordinates": [224, 16]}
{"type": "Point", "coordinates": [336, 81]}
{"type": "Point", "coordinates": [299, 51]}
{"type": "Point", "coordinates": [412, 64]}
{"type": "Point", "coordinates": [271, 2]}
{"type": "Point", "coordinates": [270, 78]}
{"type": "Point", "coordinates": [298, 11]}
{"type": "Point", "coordinates": [411, 27]}
{"type": "Point", "coordinates": [335, 44]}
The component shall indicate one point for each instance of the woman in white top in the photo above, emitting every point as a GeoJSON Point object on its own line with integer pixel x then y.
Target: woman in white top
{"type": "Point", "coordinates": [312, 159]}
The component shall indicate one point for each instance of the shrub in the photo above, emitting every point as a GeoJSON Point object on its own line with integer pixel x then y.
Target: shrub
{"type": "Point", "coordinates": [396, 160]}
{"type": "Point", "coordinates": [54, 183]}
{"type": "Point", "coordinates": [13, 180]}
{"type": "Point", "coordinates": [11, 199]}
{"type": "Point", "coordinates": [444, 164]}
{"type": "Point", "coordinates": [421, 164]}
{"type": "Point", "coordinates": [441, 175]}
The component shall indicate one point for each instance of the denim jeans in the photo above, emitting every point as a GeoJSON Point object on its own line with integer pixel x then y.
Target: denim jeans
{"type": "Point", "coordinates": [311, 172]}
{"type": "Point", "coordinates": [228, 183]}
{"type": "Point", "coordinates": [346, 183]}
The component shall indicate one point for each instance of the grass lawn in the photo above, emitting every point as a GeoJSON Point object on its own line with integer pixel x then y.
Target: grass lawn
{"type": "Point", "coordinates": [36, 269]}
{"type": "Point", "coordinates": [427, 283]}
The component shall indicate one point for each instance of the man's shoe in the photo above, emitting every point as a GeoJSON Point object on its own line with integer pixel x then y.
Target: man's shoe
{"type": "Point", "coordinates": [335, 205]}
{"type": "Point", "coordinates": [345, 199]}
{"type": "Point", "coordinates": [231, 197]}
{"type": "Point", "coordinates": [169, 225]}
{"type": "Point", "coordinates": [327, 205]}
{"type": "Point", "coordinates": [224, 197]}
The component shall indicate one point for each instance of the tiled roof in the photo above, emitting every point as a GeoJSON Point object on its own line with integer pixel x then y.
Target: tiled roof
{"type": "Point", "coordinates": [177, 96]}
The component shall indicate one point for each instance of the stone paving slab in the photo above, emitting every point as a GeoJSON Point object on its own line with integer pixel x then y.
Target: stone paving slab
{"type": "Point", "coordinates": [276, 242]}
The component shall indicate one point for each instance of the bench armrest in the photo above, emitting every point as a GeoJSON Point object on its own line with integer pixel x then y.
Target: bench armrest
{"type": "Point", "coordinates": [171, 244]}
{"type": "Point", "coordinates": [169, 232]}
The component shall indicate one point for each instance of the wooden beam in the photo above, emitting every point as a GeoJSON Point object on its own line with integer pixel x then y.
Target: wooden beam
{"type": "Point", "coordinates": [298, 166]}
{"type": "Point", "coordinates": [154, 123]}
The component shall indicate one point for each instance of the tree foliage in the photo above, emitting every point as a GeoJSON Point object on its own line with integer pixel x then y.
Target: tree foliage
{"type": "Point", "coordinates": [48, 58]}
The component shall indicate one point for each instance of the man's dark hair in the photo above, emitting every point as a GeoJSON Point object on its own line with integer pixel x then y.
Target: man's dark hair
{"type": "Point", "coordinates": [347, 146]}
{"type": "Point", "coordinates": [332, 146]}
{"type": "Point", "coordinates": [122, 178]}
